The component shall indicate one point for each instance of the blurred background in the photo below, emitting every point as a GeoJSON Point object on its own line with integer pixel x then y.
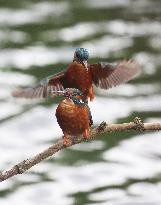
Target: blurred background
{"type": "Point", "coordinates": [37, 39]}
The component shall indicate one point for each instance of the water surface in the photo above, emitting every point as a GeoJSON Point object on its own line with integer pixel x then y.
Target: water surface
{"type": "Point", "coordinates": [38, 39]}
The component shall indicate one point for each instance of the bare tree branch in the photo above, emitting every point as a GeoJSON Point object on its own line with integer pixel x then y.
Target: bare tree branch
{"type": "Point", "coordinates": [25, 165]}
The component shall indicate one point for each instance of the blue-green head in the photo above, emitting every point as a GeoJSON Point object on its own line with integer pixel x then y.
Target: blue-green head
{"type": "Point", "coordinates": [81, 54]}
{"type": "Point", "coordinates": [76, 92]}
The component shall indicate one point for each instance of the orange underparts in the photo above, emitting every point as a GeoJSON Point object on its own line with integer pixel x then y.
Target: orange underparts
{"type": "Point", "coordinates": [73, 120]}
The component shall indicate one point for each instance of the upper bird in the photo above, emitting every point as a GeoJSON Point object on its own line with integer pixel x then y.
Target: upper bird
{"type": "Point", "coordinates": [82, 75]}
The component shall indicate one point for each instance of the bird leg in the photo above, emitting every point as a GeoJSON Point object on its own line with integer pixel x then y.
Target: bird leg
{"type": "Point", "coordinates": [91, 93]}
{"type": "Point", "coordinates": [65, 139]}
{"type": "Point", "coordinates": [86, 134]}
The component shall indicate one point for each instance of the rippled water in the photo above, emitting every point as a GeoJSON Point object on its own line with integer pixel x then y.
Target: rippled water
{"type": "Point", "coordinates": [38, 38]}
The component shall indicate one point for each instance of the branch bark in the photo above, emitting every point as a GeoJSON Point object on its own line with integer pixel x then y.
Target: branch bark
{"type": "Point", "coordinates": [25, 165]}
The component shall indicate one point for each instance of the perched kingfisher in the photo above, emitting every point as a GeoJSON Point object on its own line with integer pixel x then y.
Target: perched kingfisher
{"type": "Point", "coordinates": [82, 76]}
{"type": "Point", "coordinates": [73, 115]}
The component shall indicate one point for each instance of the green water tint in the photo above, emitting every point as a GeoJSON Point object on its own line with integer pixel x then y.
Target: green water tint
{"type": "Point", "coordinates": [79, 174]}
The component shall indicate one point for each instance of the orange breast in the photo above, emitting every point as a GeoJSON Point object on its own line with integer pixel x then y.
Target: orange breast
{"type": "Point", "coordinates": [71, 118]}
{"type": "Point", "coordinates": [78, 77]}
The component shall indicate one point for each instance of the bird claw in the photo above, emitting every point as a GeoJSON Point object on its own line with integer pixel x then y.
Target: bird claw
{"type": "Point", "coordinates": [65, 140]}
{"type": "Point", "coordinates": [86, 134]}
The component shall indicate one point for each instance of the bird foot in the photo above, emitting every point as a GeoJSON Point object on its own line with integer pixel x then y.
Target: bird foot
{"type": "Point", "coordinates": [86, 134]}
{"type": "Point", "coordinates": [65, 140]}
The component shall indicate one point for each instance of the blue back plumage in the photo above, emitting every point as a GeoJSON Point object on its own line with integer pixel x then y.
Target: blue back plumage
{"type": "Point", "coordinates": [82, 54]}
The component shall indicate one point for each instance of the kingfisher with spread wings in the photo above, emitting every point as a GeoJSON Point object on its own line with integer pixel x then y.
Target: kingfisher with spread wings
{"type": "Point", "coordinates": [82, 76]}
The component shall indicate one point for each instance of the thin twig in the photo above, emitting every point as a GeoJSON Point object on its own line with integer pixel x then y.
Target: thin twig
{"type": "Point", "coordinates": [25, 165]}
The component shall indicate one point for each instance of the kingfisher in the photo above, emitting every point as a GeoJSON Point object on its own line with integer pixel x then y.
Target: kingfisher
{"type": "Point", "coordinates": [82, 75]}
{"type": "Point", "coordinates": [73, 114]}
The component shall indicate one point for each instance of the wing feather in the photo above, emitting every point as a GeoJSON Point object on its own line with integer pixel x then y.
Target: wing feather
{"type": "Point", "coordinates": [105, 75]}
{"type": "Point", "coordinates": [45, 87]}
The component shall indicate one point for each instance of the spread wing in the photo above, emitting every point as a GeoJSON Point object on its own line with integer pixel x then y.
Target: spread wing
{"type": "Point", "coordinates": [105, 75]}
{"type": "Point", "coordinates": [44, 89]}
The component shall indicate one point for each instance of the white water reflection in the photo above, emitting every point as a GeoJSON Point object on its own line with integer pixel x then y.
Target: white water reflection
{"type": "Point", "coordinates": [24, 58]}
{"type": "Point", "coordinates": [107, 4]}
{"type": "Point", "coordinates": [136, 160]}
{"type": "Point", "coordinates": [134, 29]}
{"type": "Point", "coordinates": [136, 6]}
{"type": "Point", "coordinates": [32, 14]}
{"type": "Point", "coordinates": [49, 192]}
{"type": "Point", "coordinates": [74, 32]}
{"type": "Point", "coordinates": [131, 90]}
{"type": "Point", "coordinates": [101, 47]}
{"type": "Point", "coordinates": [7, 109]}
{"type": "Point", "coordinates": [148, 62]}
{"type": "Point", "coordinates": [137, 156]}
{"type": "Point", "coordinates": [155, 42]}
{"type": "Point", "coordinates": [29, 132]}
{"type": "Point", "coordinates": [106, 45]}
{"type": "Point", "coordinates": [15, 79]}
{"type": "Point", "coordinates": [40, 122]}
{"type": "Point", "coordinates": [109, 194]}
{"type": "Point", "coordinates": [40, 56]}
{"type": "Point", "coordinates": [8, 82]}
{"type": "Point", "coordinates": [115, 27]}
{"type": "Point", "coordinates": [13, 36]}
{"type": "Point", "coordinates": [121, 107]}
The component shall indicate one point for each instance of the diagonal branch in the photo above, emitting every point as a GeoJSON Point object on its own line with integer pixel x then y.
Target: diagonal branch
{"type": "Point", "coordinates": [25, 165]}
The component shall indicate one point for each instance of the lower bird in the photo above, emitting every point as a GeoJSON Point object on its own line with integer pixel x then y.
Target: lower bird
{"type": "Point", "coordinates": [73, 115]}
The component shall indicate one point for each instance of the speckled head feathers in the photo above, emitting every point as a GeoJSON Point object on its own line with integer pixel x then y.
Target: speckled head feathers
{"type": "Point", "coordinates": [81, 54]}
